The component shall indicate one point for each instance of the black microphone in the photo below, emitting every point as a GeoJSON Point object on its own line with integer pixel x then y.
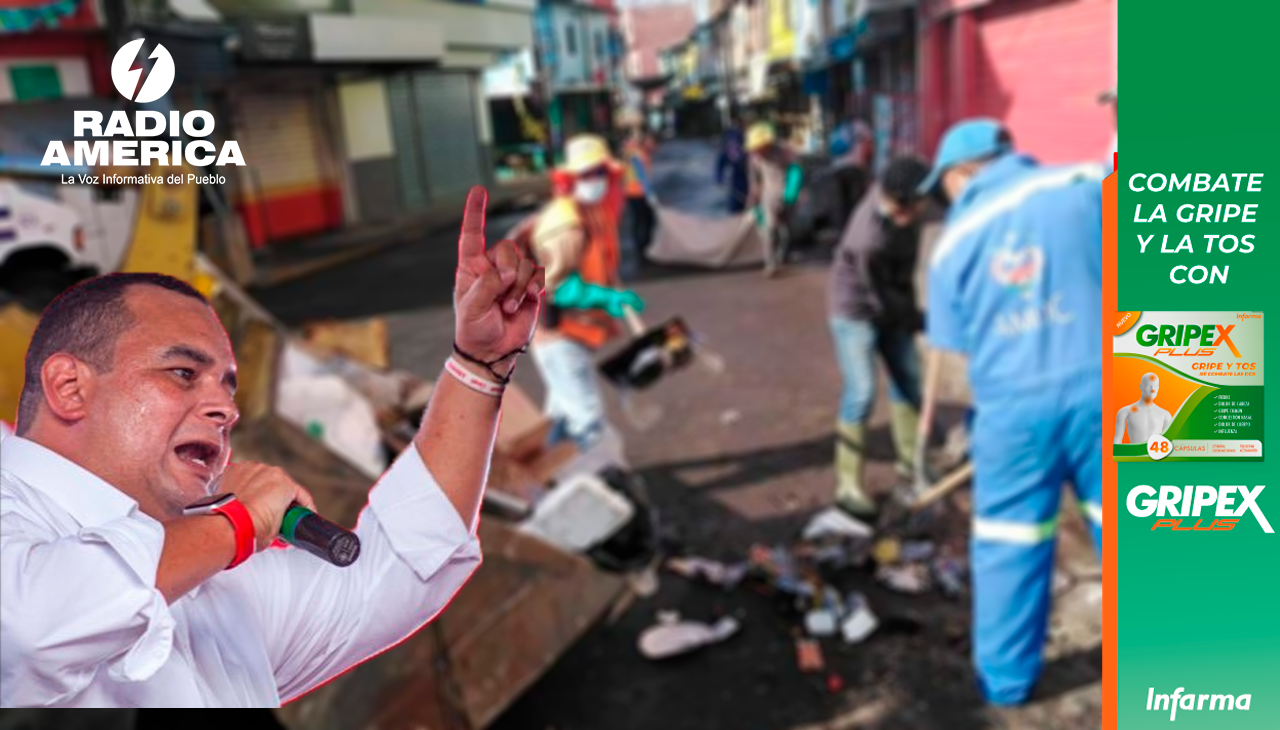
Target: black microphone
{"type": "Point", "coordinates": [307, 530]}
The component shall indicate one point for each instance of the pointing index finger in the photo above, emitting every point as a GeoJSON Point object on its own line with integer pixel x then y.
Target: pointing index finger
{"type": "Point", "coordinates": [471, 243]}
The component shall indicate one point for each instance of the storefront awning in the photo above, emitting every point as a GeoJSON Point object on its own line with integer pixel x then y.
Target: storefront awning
{"type": "Point", "coordinates": [320, 38]}
{"type": "Point", "coordinates": [843, 47]}
{"type": "Point", "coordinates": [650, 83]}
{"type": "Point", "coordinates": [873, 21]}
{"type": "Point", "coordinates": [871, 7]}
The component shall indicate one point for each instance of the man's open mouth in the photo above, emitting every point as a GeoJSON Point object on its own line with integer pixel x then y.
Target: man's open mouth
{"type": "Point", "coordinates": [201, 454]}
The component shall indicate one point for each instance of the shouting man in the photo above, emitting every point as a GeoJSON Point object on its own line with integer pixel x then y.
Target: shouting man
{"type": "Point", "coordinates": [116, 593]}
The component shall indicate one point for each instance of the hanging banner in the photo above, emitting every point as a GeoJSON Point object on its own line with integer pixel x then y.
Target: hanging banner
{"type": "Point", "coordinates": [27, 16]}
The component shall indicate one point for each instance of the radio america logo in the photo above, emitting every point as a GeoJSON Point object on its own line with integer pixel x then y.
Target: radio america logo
{"type": "Point", "coordinates": [141, 140]}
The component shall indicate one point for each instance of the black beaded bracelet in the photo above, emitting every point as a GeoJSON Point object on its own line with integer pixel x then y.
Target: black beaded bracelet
{"type": "Point", "coordinates": [488, 365]}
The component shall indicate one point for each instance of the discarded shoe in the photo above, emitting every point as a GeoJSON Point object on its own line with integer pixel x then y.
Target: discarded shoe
{"type": "Point", "coordinates": [835, 522]}
{"type": "Point", "coordinates": [672, 637]}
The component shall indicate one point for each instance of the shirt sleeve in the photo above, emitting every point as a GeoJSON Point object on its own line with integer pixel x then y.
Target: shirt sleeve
{"type": "Point", "coordinates": [557, 244]}
{"type": "Point", "coordinates": [75, 605]}
{"type": "Point", "coordinates": [319, 620]}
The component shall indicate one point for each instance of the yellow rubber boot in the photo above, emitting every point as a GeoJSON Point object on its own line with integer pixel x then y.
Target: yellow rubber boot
{"type": "Point", "coordinates": [904, 421]}
{"type": "Point", "coordinates": [850, 454]}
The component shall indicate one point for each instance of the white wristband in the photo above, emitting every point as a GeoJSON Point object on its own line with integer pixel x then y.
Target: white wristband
{"type": "Point", "coordinates": [471, 380]}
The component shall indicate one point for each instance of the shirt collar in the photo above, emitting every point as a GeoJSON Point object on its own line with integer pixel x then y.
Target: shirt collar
{"type": "Point", "coordinates": [89, 499]}
{"type": "Point", "coordinates": [993, 176]}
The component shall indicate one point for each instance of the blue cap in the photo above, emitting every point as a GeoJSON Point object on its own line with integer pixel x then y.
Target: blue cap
{"type": "Point", "coordinates": [971, 139]}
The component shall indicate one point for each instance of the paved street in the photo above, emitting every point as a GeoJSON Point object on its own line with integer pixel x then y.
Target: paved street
{"type": "Point", "coordinates": [740, 457]}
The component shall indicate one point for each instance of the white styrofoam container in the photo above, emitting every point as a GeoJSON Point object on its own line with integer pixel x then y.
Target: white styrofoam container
{"type": "Point", "coordinates": [579, 513]}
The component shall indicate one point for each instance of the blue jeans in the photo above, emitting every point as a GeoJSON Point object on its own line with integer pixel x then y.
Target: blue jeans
{"type": "Point", "coordinates": [574, 403]}
{"type": "Point", "coordinates": [856, 343]}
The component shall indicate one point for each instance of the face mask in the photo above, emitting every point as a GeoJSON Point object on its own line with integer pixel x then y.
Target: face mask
{"type": "Point", "coordinates": [904, 216]}
{"type": "Point", "coordinates": [590, 192]}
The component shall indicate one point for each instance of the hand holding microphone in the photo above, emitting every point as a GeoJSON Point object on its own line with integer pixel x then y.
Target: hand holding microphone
{"type": "Point", "coordinates": [279, 507]}
{"type": "Point", "coordinates": [305, 529]}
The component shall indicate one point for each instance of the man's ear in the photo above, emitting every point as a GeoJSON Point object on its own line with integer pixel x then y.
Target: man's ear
{"type": "Point", "coordinates": [67, 383]}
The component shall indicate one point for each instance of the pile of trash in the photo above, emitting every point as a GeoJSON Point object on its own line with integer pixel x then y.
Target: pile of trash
{"type": "Point", "coordinates": [802, 579]}
{"type": "Point", "coordinates": [336, 385]}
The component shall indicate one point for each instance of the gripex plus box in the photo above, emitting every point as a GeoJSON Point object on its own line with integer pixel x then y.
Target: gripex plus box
{"type": "Point", "coordinates": [1187, 386]}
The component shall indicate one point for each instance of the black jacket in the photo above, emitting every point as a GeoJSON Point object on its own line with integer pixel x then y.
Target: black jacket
{"type": "Point", "coordinates": [874, 272]}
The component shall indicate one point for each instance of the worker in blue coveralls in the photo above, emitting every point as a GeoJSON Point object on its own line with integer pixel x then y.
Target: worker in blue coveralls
{"type": "Point", "coordinates": [1015, 284]}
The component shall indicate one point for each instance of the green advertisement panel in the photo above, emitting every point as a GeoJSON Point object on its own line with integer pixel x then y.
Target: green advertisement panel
{"type": "Point", "coordinates": [1198, 643]}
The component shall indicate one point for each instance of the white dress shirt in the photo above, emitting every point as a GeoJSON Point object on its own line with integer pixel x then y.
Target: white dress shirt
{"type": "Point", "coordinates": [82, 623]}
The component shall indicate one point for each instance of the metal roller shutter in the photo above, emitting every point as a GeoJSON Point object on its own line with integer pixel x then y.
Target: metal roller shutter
{"type": "Point", "coordinates": [1042, 67]}
{"type": "Point", "coordinates": [404, 128]}
{"type": "Point", "coordinates": [433, 120]}
{"type": "Point", "coordinates": [278, 134]}
{"type": "Point", "coordinates": [285, 189]}
{"type": "Point", "coordinates": [447, 115]}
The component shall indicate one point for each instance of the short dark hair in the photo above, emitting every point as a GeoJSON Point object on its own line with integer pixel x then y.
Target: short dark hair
{"type": "Point", "coordinates": [902, 177]}
{"type": "Point", "coordinates": [85, 321]}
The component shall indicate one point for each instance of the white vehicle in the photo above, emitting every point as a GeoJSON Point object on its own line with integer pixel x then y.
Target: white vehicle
{"type": "Point", "coordinates": [53, 234]}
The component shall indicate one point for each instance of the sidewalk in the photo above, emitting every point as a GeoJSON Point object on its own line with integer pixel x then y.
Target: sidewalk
{"type": "Point", "coordinates": [291, 260]}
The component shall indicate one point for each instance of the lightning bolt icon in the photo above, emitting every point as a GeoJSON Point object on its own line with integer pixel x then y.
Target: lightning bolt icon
{"type": "Point", "coordinates": [138, 80]}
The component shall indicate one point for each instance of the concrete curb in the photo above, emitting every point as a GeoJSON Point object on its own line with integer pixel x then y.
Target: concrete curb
{"type": "Point", "coordinates": [444, 213]}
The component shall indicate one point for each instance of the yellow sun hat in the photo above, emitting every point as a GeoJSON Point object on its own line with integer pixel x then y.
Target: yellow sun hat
{"type": "Point", "coordinates": [759, 136]}
{"type": "Point", "coordinates": [584, 152]}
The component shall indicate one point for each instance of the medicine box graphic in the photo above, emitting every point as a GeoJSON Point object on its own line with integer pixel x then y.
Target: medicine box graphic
{"type": "Point", "coordinates": [1187, 386]}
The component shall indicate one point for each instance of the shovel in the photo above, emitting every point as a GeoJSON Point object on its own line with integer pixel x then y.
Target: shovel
{"type": "Point", "coordinates": [654, 352]}
{"type": "Point", "coordinates": [913, 514]}
{"type": "Point", "coordinates": [703, 355]}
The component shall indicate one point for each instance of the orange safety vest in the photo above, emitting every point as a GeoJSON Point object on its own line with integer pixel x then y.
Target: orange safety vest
{"type": "Point", "coordinates": [597, 265]}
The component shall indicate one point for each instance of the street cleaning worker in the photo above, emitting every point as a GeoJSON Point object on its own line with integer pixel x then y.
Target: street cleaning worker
{"type": "Point", "coordinates": [1015, 284]}
{"type": "Point", "coordinates": [774, 180]}
{"type": "Point", "coordinates": [731, 166]}
{"type": "Point", "coordinates": [637, 154]}
{"type": "Point", "coordinates": [872, 296]}
{"type": "Point", "coordinates": [575, 237]}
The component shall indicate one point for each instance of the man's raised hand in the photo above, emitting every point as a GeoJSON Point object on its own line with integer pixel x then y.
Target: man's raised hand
{"type": "Point", "coordinates": [497, 291]}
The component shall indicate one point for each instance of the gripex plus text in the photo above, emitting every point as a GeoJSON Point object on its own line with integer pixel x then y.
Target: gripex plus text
{"type": "Point", "coordinates": [1201, 502]}
{"type": "Point", "coordinates": [151, 138]}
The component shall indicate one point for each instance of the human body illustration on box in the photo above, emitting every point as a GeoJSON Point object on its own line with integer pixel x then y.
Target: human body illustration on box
{"type": "Point", "coordinates": [1143, 418]}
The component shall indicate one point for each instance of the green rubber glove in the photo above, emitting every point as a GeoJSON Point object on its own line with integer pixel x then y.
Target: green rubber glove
{"type": "Point", "coordinates": [791, 191]}
{"type": "Point", "coordinates": [575, 293]}
{"type": "Point", "coordinates": [621, 301]}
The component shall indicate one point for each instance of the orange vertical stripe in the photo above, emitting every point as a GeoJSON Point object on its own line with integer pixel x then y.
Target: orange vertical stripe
{"type": "Point", "coordinates": [1110, 681]}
